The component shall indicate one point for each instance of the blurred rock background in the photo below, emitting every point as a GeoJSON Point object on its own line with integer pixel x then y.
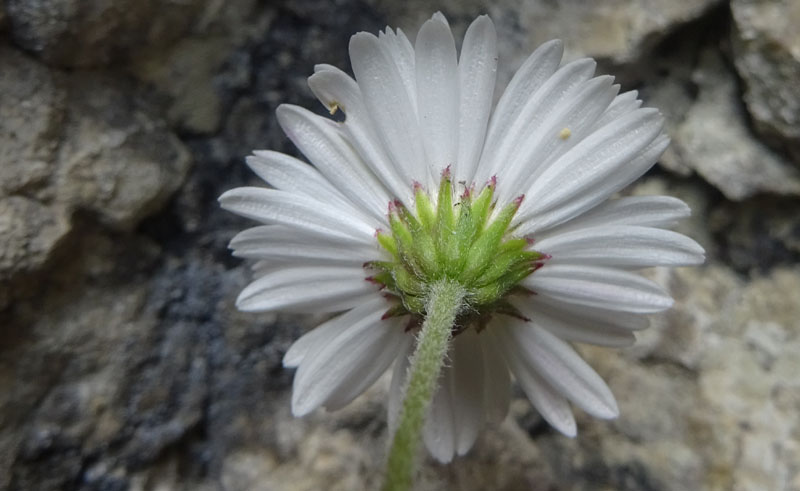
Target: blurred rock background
{"type": "Point", "coordinates": [124, 366]}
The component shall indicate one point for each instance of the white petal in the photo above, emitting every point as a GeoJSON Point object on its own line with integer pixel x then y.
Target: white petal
{"type": "Point", "coordinates": [316, 339]}
{"type": "Point", "coordinates": [437, 94]}
{"type": "Point", "coordinates": [336, 89]}
{"type": "Point", "coordinates": [563, 369]}
{"type": "Point", "coordinates": [275, 206]}
{"type": "Point", "coordinates": [439, 16]}
{"type": "Point", "coordinates": [285, 244]}
{"type": "Point", "coordinates": [622, 104]}
{"type": "Point", "coordinates": [602, 315]}
{"type": "Point", "coordinates": [290, 174]}
{"type": "Point", "coordinates": [595, 168]}
{"type": "Point", "coordinates": [376, 365]}
{"type": "Point", "coordinates": [571, 326]}
{"type": "Point", "coordinates": [644, 211]}
{"type": "Point", "coordinates": [497, 382]}
{"type": "Point", "coordinates": [396, 394]}
{"type": "Point", "coordinates": [439, 433]}
{"type": "Point", "coordinates": [323, 67]}
{"type": "Point", "coordinates": [307, 289]}
{"type": "Point", "coordinates": [622, 246]}
{"type": "Point", "coordinates": [553, 406]}
{"type": "Point", "coordinates": [388, 103]}
{"type": "Point", "coordinates": [577, 113]}
{"type": "Point", "coordinates": [351, 362]}
{"type": "Point", "coordinates": [319, 140]}
{"type": "Point", "coordinates": [599, 287]}
{"type": "Point", "coordinates": [537, 110]}
{"type": "Point", "coordinates": [400, 51]}
{"type": "Point", "coordinates": [468, 389]}
{"type": "Point", "coordinates": [539, 66]}
{"type": "Point", "coordinates": [477, 73]}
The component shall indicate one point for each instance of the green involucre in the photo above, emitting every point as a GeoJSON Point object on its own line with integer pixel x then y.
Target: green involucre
{"type": "Point", "coordinates": [461, 242]}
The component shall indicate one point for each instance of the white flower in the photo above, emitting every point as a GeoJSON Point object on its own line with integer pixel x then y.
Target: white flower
{"type": "Point", "coordinates": [558, 136]}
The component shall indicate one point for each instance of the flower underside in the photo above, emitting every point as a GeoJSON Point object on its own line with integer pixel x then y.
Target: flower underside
{"type": "Point", "coordinates": [466, 242]}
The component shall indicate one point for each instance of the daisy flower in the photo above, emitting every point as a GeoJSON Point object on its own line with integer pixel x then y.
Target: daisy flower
{"type": "Point", "coordinates": [427, 179]}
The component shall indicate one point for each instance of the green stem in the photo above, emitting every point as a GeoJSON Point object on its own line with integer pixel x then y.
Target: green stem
{"type": "Point", "coordinates": [444, 300]}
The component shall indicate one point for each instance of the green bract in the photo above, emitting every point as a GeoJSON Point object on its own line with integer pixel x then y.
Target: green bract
{"type": "Point", "coordinates": [456, 241]}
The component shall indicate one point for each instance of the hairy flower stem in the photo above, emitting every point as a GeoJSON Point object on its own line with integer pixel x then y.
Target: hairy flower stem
{"type": "Point", "coordinates": [444, 301]}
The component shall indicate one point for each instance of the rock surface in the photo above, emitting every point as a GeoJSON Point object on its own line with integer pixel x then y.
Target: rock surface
{"type": "Point", "coordinates": [714, 140]}
{"type": "Point", "coordinates": [75, 143]}
{"type": "Point", "coordinates": [73, 33]}
{"type": "Point", "coordinates": [766, 45]}
{"type": "Point", "coordinates": [125, 366]}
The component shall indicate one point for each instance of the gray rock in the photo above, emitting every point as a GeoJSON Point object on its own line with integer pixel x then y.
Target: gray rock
{"type": "Point", "coordinates": [187, 70]}
{"type": "Point", "coordinates": [73, 33]}
{"type": "Point", "coordinates": [766, 47]}
{"type": "Point", "coordinates": [75, 142]}
{"type": "Point", "coordinates": [84, 376]}
{"type": "Point", "coordinates": [117, 158]}
{"type": "Point", "coordinates": [30, 231]}
{"type": "Point", "coordinates": [714, 140]}
{"type": "Point", "coordinates": [758, 234]}
{"type": "Point", "coordinates": [185, 74]}
{"type": "Point", "coordinates": [32, 105]}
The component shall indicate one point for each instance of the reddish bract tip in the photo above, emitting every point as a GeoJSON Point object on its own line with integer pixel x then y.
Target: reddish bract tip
{"type": "Point", "coordinates": [446, 173]}
{"type": "Point", "coordinates": [492, 184]}
{"type": "Point", "coordinates": [530, 240]}
{"type": "Point", "coordinates": [518, 200]}
{"type": "Point", "coordinates": [417, 186]}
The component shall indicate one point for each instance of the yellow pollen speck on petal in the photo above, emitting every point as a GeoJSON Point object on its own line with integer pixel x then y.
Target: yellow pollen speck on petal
{"type": "Point", "coordinates": [333, 107]}
{"type": "Point", "coordinates": [565, 133]}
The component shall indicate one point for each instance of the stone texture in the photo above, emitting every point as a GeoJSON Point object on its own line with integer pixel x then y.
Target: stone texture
{"type": "Point", "coordinates": [766, 47]}
{"type": "Point", "coordinates": [82, 142]}
{"type": "Point", "coordinates": [187, 71]}
{"type": "Point", "coordinates": [73, 33]}
{"type": "Point", "coordinates": [33, 111]}
{"type": "Point", "coordinates": [30, 231]}
{"type": "Point", "coordinates": [714, 140]}
{"type": "Point", "coordinates": [124, 364]}
{"type": "Point", "coordinates": [758, 234]}
{"type": "Point", "coordinates": [89, 345]}
{"type": "Point", "coordinates": [117, 157]}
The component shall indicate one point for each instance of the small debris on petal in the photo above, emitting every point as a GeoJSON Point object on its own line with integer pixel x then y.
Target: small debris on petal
{"type": "Point", "coordinates": [565, 133]}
